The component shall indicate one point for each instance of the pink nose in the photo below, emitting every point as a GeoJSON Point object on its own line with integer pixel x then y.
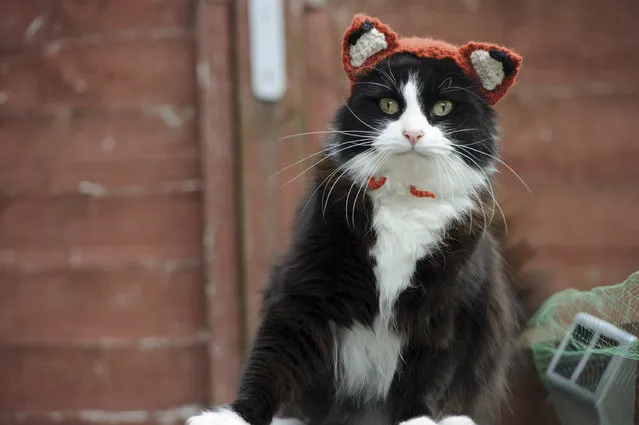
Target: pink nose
{"type": "Point", "coordinates": [413, 135]}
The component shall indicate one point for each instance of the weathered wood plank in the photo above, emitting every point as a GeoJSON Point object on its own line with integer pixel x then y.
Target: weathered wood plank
{"type": "Point", "coordinates": [220, 191]}
{"type": "Point", "coordinates": [268, 203]}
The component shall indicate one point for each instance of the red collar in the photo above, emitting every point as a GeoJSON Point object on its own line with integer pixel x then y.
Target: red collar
{"type": "Point", "coordinates": [375, 184]}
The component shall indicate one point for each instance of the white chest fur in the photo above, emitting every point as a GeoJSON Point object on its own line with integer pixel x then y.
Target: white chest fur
{"type": "Point", "coordinates": [366, 359]}
{"type": "Point", "coordinates": [407, 229]}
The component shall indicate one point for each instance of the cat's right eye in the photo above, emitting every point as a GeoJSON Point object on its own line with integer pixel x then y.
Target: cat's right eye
{"type": "Point", "coordinates": [389, 106]}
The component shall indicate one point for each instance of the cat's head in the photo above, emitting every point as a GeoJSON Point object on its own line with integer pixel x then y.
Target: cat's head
{"type": "Point", "coordinates": [420, 110]}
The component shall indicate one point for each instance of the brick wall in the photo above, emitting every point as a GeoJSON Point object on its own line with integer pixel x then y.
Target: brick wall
{"type": "Point", "coordinates": [103, 314]}
{"type": "Point", "coordinates": [120, 127]}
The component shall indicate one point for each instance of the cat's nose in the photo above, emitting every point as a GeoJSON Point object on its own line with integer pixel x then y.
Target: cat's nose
{"type": "Point", "coordinates": [413, 135]}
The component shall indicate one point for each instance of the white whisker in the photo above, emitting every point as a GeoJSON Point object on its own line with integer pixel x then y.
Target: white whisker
{"type": "Point", "coordinates": [320, 184]}
{"type": "Point", "coordinates": [357, 133]}
{"type": "Point", "coordinates": [375, 84]}
{"type": "Point", "coordinates": [476, 194]}
{"type": "Point", "coordinates": [450, 177]}
{"type": "Point", "coordinates": [474, 143]}
{"type": "Point", "coordinates": [326, 199]}
{"type": "Point", "coordinates": [360, 120]}
{"type": "Point", "coordinates": [491, 191]}
{"type": "Point", "coordinates": [391, 73]}
{"type": "Point", "coordinates": [328, 155]}
{"type": "Point", "coordinates": [348, 166]}
{"type": "Point", "coordinates": [454, 88]}
{"type": "Point", "coordinates": [447, 79]}
{"type": "Point", "coordinates": [469, 184]}
{"type": "Point", "coordinates": [448, 133]}
{"type": "Point", "coordinates": [501, 162]}
{"type": "Point", "coordinates": [390, 79]}
{"type": "Point", "coordinates": [374, 167]}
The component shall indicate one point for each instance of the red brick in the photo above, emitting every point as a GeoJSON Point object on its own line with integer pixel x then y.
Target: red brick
{"type": "Point", "coordinates": [320, 102]}
{"type": "Point", "coordinates": [454, 21]}
{"type": "Point", "coordinates": [75, 222]}
{"type": "Point", "coordinates": [46, 154]}
{"type": "Point", "coordinates": [587, 141]}
{"type": "Point", "coordinates": [567, 215]}
{"type": "Point", "coordinates": [609, 169]}
{"type": "Point", "coordinates": [124, 177]}
{"type": "Point", "coordinates": [573, 41]}
{"type": "Point", "coordinates": [57, 418]}
{"type": "Point", "coordinates": [65, 378]}
{"type": "Point", "coordinates": [22, 21]}
{"type": "Point", "coordinates": [582, 269]}
{"type": "Point", "coordinates": [528, 402]}
{"type": "Point", "coordinates": [72, 18]}
{"type": "Point", "coordinates": [586, 268]}
{"type": "Point", "coordinates": [68, 306]}
{"type": "Point", "coordinates": [99, 417]}
{"type": "Point", "coordinates": [135, 176]}
{"type": "Point", "coordinates": [149, 257]}
{"type": "Point", "coordinates": [142, 73]}
{"type": "Point", "coordinates": [91, 136]}
{"type": "Point", "coordinates": [221, 211]}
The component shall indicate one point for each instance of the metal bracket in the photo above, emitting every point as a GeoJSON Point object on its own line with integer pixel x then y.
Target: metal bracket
{"type": "Point", "coordinates": [267, 49]}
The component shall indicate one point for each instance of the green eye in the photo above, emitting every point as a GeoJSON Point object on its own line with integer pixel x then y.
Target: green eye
{"type": "Point", "coordinates": [389, 106]}
{"type": "Point", "coordinates": [442, 108]}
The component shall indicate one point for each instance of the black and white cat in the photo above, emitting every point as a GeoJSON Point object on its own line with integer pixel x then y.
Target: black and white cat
{"type": "Point", "coordinates": [392, 305]}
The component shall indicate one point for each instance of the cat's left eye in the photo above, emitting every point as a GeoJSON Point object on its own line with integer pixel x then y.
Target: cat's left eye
{"type": "Point", "coordinates": [442, 108]}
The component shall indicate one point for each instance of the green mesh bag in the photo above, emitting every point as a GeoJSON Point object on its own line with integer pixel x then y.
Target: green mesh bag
{"type": "Point", "coordinates": [553, 329]}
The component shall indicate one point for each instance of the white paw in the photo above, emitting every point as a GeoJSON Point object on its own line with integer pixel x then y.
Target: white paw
{"type": "Point", "coordinates": [451, 420]}
{"type": "Point", "coordinates": [457, 420]}
{"type": "Point", "coordinates": [216, 417]}
{"type": "Point", "coordinates": [422, 420]}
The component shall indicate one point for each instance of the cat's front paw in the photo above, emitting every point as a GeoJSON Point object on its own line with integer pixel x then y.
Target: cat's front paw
{"type": "Point", "coordinates": [457, 420]}
{"type": "Point", "coordinates": [220, 416]}
{"type": "Point", "coordinates": [422, 420]}
{"type": "Point", "coordinates": [451, 420]}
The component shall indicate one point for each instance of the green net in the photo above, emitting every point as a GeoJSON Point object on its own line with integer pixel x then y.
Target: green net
{"type": "Point", "coordinates": [617, 305]}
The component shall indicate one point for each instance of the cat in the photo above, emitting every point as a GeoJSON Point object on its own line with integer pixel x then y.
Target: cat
{"type": "Point", "coordinates": [393, 304]}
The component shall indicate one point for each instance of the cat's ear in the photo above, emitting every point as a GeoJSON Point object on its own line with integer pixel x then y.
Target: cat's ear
{"type": "Point", "coordinates": [493, 67]}
{"type": "Point", "coordinates": [366, 41]}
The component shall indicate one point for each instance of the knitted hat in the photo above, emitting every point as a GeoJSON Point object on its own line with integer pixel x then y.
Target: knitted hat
{"type": "Point", "coordinates": [367, 41]}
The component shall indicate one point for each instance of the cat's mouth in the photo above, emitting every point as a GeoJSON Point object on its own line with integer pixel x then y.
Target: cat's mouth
{"type": "Point", "coordinates": [377, 183]}
{"type": "Point", "coordinates": [423, 152]}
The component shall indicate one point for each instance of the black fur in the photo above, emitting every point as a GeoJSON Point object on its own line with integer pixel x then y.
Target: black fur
{"type": "Point", "coordinates": [363, 29]}
{"type": "Point", "coordinates": [459, 317]}
{"type": "Point", "coordinates": [502, 57]}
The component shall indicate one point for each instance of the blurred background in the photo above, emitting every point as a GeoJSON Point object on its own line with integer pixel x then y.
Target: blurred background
{"type": "Point", "coordinates": [138, 215]}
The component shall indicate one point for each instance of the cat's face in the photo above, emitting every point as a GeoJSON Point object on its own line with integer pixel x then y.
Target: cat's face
{"type": "Point", "coordinates": [417, 121]}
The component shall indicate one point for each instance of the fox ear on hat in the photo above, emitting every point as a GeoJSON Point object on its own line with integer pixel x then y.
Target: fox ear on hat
{"type": "Point", "coordinates": [493, 67]}
{"type": "Point", "coordinates": [366, 41]}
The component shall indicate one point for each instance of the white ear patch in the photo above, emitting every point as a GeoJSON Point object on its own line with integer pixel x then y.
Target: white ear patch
{"type": "Point", "coordinates": [368, 44]}
{"type": "Point", "coordinates": [489, 70]}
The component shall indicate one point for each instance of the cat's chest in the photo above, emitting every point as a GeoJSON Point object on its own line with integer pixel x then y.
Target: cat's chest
{"type": "Point", "coordinates": [367, 357]}
{"type": "Point", "coordinates": [406, 230]}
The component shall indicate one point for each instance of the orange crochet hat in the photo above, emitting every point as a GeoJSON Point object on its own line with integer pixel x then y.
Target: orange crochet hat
{"type": "Point", "coordinates": [367, 41]}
